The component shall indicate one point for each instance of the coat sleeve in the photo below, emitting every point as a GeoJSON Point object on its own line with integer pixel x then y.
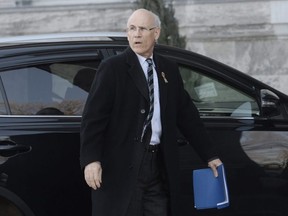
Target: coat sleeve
{"type": "Point", "coordinates": [191, 125]}
{"type": "Point", "coordinates": [96, 115]}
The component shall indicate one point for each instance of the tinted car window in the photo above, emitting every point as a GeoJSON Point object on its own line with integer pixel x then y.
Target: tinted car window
{"type": "Point", "coordinates": [215, 98]}
{"type": "Point", "coordinates": [54, 89]}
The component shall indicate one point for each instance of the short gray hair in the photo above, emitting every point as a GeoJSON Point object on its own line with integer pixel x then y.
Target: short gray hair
{"type": "Point", "coordinates": [157, 20]}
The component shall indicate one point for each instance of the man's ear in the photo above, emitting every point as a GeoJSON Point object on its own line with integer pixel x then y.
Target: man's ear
{"type": "Point", "coordinates": [157, 33]}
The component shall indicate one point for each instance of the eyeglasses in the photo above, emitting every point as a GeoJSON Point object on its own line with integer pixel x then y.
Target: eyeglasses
{"type": "Point", "coordinates": [141, 29]}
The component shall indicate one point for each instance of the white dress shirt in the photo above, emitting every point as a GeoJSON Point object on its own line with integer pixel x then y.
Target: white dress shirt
{"type": "Point", "coordinates": [156, 121]}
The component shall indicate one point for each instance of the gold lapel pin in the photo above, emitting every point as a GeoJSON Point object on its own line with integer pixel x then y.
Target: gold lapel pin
{"type": "Point", "coordinates": [164, 77]}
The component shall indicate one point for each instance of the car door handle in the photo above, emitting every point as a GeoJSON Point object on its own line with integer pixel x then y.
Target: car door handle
{"type": "Point", "coordinates": [10, 148]}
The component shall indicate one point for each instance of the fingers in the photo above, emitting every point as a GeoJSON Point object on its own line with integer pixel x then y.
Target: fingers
{"type": "Point", "coordinates": [215, 172]}
{"type": "Point", "coordinates": [213, 165]}
{"type": "Point", "coordinates": [93, 175]}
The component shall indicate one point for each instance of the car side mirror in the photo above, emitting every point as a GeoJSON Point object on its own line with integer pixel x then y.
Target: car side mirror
{"type": "Point", "coordinates": [269, 103]}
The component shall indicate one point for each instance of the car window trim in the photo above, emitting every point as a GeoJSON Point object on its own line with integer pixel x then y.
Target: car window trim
{"type": "Point", "coordinates": [4, 96]}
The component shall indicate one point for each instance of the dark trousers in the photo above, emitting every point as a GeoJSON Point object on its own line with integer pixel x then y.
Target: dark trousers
{"type": "Point", "coordinates": [150, 197]}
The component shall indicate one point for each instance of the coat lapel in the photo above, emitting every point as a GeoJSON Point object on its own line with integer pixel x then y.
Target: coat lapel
{"type": "Point", "coordinates": [139, 78]}
{"type": "Point", "coordinates": [137, 73]}
{"type": "Point", "coordinates": [163, 82]}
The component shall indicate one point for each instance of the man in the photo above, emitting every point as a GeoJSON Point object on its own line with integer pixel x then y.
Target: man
{"type": "Point", "coordinates": [130, 160]}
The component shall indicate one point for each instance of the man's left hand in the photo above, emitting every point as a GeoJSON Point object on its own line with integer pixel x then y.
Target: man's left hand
{"type": "Point", "coordinates": [214, 164]}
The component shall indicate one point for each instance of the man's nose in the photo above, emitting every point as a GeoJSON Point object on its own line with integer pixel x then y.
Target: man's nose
{"type": "Point", "coordinates": [137, 33]}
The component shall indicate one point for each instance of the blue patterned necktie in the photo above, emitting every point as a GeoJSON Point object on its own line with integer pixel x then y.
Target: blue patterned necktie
{"type": "Point", "coordinates": [151, 95]}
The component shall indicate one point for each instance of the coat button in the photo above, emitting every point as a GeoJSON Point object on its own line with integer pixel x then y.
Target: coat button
{"type": "Point", "coordinates": [142, 111]}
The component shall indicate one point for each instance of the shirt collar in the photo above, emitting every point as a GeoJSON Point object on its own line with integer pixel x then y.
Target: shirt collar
{"type": "Point", "coordinates": [142, 59]}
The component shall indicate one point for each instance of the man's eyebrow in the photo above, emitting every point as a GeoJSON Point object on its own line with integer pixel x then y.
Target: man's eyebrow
{"type": "Point", "coordinates": [140, 26]}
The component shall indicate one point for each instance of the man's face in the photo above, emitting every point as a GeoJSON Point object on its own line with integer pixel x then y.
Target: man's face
{"type": "Point", "coordinates": [142, 33]}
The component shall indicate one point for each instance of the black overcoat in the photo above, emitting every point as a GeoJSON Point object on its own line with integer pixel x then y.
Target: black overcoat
{"type": "Point", "coordinates": [112, 123]}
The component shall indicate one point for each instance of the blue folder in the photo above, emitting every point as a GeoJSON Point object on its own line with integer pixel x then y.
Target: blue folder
{"type": "Point", "coordinates": [210, 192]}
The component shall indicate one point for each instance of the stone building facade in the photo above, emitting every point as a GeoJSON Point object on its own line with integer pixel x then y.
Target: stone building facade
{"type": "Point", "coordinates": [250, 35]}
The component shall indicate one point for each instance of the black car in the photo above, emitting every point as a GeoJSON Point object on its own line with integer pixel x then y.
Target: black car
{"type": "Point", "coordinates": [44, 82]}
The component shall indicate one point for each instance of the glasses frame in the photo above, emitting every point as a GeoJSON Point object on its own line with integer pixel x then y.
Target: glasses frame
{"type": "Point", "coordinates": [141, 29]}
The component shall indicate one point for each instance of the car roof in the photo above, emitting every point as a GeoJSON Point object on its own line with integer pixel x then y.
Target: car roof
{"type": "Point", "coordinates": [60, 37]}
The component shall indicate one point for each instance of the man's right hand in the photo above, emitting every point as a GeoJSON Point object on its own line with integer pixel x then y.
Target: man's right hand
{"type": "Point", "coordinates": [93, 175]}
